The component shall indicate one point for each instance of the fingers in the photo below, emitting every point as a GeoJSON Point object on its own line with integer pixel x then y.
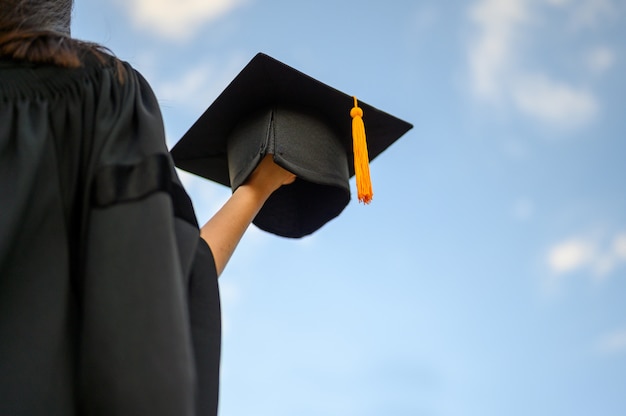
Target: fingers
{"type": "Point", "coordinates": [270, 176]}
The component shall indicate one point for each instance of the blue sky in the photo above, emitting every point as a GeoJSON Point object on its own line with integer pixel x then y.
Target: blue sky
{"type": "Point", "coordinates": [488, 276]}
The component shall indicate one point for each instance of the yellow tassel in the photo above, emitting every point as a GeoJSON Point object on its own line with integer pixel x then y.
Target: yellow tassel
{"type": "Point", "coordinates": [361, 158]}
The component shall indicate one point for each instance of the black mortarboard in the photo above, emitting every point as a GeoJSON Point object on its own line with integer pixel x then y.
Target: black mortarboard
{"type": "Point", "coordinates": [272, 108]}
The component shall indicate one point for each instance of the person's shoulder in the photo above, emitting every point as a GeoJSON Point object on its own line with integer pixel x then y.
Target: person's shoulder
{"type": "Point", "coordinates": [100, 62]}
{"type": "Point", "coordinates": [95, 69]}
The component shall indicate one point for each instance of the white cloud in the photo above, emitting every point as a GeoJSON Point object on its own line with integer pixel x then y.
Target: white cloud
{"type": "Point", "coordinates": [198, 86]}
{"type": "Point", "coordinates": [176, 19]}
{"type": "Point", "coordinates": [614, 342]}
{"type": "Point", "coordinates": [503, 72]}
{"type": "Point", "coordinates": [491, 54]}
{"type": "Point", "coordinates": [587, 253]}
{"type": "Point", "coordinates": [619, 246]}
{"type": "Point", "coordinates": [600, 59]}
{"type": "Point", "coordinates": [187, 88]}
{"type": "Point", "coordinates": [552, 101]}
{"type": "Point", "coordinates": [570, 255]}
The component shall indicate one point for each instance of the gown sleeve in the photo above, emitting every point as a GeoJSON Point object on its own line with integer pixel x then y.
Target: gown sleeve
{"type": "Point", "coordinates": [149, 339]}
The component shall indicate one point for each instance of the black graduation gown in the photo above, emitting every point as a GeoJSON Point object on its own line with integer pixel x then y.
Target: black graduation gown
{"type": "Point", "coordinates": [109, 301]}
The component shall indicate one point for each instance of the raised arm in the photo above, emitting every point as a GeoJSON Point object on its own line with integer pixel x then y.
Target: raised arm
{"type": "Point", "coordinates": [225, 229]}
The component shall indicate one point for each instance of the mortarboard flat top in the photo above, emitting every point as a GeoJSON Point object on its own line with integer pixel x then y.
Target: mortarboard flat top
{"type": "Point", "coordinates": [269, 108]}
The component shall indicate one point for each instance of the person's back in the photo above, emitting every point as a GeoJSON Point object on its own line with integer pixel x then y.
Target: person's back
{"type": "Point", "coordinates": [109, 302]}
{"type": "Point", "coordinates": [97, 238]}
{"type": "Point", "coordinates": [82, 212]}
{"type": "Point", "coordinates": [36, 292]}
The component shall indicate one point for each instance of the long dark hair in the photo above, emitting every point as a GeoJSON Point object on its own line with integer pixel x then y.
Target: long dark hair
{"type": "Point", "coordinates": [38, 31]}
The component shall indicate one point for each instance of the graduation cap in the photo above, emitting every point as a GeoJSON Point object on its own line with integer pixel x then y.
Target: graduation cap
{"type": "Point", "coordinates": [306, 125]}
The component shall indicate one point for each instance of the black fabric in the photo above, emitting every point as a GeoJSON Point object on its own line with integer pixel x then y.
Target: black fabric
{"type": "Point", "coordinates": [303, 144]}
{"type": "Point", "coordinates": [125, 183]}
{"type": "Point", "coordinates": [206, 329]}
{"type": "Point", "coordinates": [108, 297]}
{"type": "Point", "coordinates": [265, 82]}
{"type": "Point", "coordinates": [272, 108]}
{"type": "Point", "coordinates": [183, 207]}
